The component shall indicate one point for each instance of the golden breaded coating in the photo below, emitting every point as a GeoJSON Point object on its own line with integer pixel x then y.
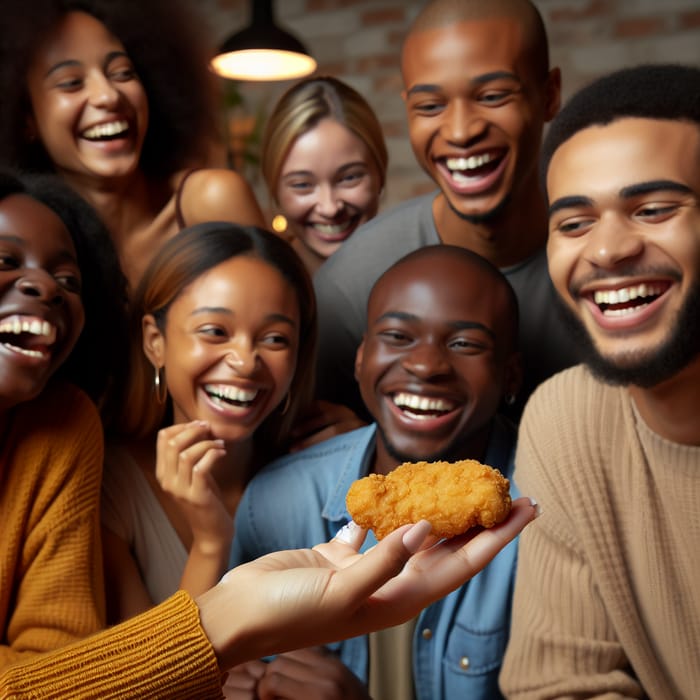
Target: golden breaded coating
{"type": "Point", "coordinates": [453, 497]}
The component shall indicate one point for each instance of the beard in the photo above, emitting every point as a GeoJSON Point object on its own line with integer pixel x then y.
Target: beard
{"type": "Point", "coordinates": [485, 217]}
{"type": "Point", "coordinates": [649, 368]}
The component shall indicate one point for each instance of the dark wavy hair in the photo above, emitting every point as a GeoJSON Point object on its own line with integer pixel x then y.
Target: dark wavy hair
{"type": "Point", "coordinates": [98, 360]}
{"type": "Point", "coordinates": [164, 40]}
{"type": "Point", "coordinates": [183, 259]}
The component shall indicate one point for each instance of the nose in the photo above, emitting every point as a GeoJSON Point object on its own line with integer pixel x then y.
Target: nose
{"type": "Point", "coordinates": [461, 124]}
{"type": "Point", "coordinates": [42, 286]}
{"type": "Point", "coordinates": [242, 359]}
{"type": "Point", "coordinates": [612, 241]}
{"type": "Point", "coordinates": [328, 204]}
{"type": "Point", "coordinates": [427, 361]}
{"type": "Point", "coordinates": [102, 92]}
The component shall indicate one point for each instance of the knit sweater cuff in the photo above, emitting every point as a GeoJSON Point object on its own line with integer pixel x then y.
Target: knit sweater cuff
{"type": "Point", "coordinates": [162, 653]}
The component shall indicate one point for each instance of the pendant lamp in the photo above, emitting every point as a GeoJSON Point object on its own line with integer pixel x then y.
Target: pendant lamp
{"type": "Point", "coordinates": [263, 51]}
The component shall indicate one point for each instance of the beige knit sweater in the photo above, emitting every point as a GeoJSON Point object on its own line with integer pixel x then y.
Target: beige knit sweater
{"type": "Point", "coordinates": [607, 598]}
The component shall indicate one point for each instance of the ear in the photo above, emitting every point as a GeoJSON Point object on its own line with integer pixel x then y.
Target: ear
{"type": "Point", "coordinates": [153, 341]}
{"type": "Point", "coordinates": [552, 100]}
{"type": "Point", "coordinates": [358, 359]}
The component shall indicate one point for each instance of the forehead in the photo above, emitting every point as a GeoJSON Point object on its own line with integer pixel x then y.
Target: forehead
{"type": "Point", "coordinates": [75, 31]}
{"type": "Point", "coordinates": [601, 161]}
{"type": "Point", "coordinates": [440, 286]}
{"type": "Point", "coordinates": [244, 284]}
{"type": "Point", "coordinates": [38, 226]}
{"type": "Point", "coordinates": [470, 48]}
{"type": "Point", "coordinates": [328, 142]}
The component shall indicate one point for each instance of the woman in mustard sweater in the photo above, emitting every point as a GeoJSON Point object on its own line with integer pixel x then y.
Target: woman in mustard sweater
{"type": "Point", "coordinates": [51, 589]}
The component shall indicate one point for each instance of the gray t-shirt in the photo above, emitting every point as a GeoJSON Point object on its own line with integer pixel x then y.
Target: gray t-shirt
{"type": "Point", "coordinates": [344, 281]}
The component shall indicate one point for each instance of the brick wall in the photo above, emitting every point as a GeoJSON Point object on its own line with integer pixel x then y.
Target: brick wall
{"type": "Point", "coordinates": [359, 42]}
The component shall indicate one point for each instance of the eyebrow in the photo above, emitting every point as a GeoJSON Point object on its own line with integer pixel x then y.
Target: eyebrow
{"type": "Point", "coordinates": [457, 325]}
{"type": "Point", "coordinates": [229, 312]}
{"type": "Point", "coordinates": [69, 63]}
{"type": "Point", "coordinates": [477, 80]}
{"type": "Point", "coordinates": [61, 256]}
{"type": "Point", "coordinates": [629, 192]}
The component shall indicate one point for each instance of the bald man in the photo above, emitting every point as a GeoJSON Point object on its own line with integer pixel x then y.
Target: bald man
{"type": "Point", "coordinates": [478, 90]}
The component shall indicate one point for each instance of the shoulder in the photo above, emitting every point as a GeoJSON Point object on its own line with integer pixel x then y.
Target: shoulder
{"type": "Point", "coordinates": [58, 438]}
{"type": "Point", "coordinates": [376, 245]}
{"type": "Point", "coordinates": [320, 461]}
{"type": "Point", "coordinates": [568, 431]}
{"type": "Point", "coordinates": [217, 194]}
{"type": "Point", "coordinates": [63, 410]}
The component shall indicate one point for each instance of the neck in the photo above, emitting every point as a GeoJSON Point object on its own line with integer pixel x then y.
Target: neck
{"type": "Point", "coordinates": [670, 409]}
{"type": "Point", "coordinates": [474, 446]}
{"type": "Point", "coordinates": [312, 261]}
{"type": "Point", "coordinates": [123, 204]}
{"type": "Point", "coordinates": [513, 235]}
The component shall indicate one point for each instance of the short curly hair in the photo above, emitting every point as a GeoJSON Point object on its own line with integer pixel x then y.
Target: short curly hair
{"type": "Point", "coordinates": [167, 45]}
{"type": "Point", "coordinates": [650, 91]}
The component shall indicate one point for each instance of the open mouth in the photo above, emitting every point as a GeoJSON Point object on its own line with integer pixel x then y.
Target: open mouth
{"type": "Point", "coordinates": [628, 300]}
{"type": "Point", "coordinates": [465, 171]}
{"type": "Point", "coordinates": [422, 407]}
{"type": "Point", "coordinates": [226, 395]}
{"type": "Point", "coordinates": [107, 131]}
{"type": "Point", "coordinates": [27, 335]}
{"type": "Point", "coordinates": [335, 232]}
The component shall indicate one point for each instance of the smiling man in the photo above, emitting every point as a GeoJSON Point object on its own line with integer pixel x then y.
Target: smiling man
{"type": "Point", "coordinates": [437, 359]}
{"type": "Point", "coordinates": [478, 90]}
{"type": "Point", "coordinates": [606, 599]}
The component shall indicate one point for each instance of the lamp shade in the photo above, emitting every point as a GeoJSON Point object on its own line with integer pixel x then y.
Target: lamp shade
{"type": "Point", "coordinates": [263, 51]}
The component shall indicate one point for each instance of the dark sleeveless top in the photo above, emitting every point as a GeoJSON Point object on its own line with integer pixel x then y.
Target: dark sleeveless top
{"type": "Point", "coordinates": [179, 217]}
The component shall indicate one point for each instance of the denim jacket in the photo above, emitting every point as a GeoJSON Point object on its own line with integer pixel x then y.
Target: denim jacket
{"type": "Point", "coordinates": [299, 501]}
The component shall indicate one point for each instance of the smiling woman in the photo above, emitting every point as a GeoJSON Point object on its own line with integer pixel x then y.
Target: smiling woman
{"type": "Point", "coordinates": [51, 444]}
{"type": "Point", "coordinates": [324, 161]}
{"type": "Point", "coordinates": [227, 316]}
{"type": "Point", "coordinates": [96, 102]}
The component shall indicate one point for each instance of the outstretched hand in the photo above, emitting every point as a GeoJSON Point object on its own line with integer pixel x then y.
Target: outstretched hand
{"type": "Point", "coordinates": [306, 597]}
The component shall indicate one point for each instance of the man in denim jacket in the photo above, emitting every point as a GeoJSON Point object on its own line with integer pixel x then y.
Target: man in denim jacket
{"type": "Point", "coordinates": [437, 360]}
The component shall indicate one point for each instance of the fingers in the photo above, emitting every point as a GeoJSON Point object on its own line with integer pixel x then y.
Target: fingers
{"type": "Point", "coordinates": [361, 578]}
{"type": "Point", "coordinates": [323, 421]}
{"type": "Point", "coordinates": [434, 572]}
{"type": "Point", "coordinates": [185, 455]}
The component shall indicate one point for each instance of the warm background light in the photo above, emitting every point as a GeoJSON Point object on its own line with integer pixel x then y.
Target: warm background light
{"type": "Point", "coordinates": [279, 224]}
{"type": "Point", "coordinates": [263, 64]}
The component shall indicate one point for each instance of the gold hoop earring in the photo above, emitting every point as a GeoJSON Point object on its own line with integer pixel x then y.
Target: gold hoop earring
{"type": "Point", "coordinates": [287, 403]}
{"type": "Point", "coordinates": [159, 386]}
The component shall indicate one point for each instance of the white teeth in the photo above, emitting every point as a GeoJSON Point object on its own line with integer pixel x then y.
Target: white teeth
{"type": "Point", "coordinates": [107, 129]}
{"type": "Point", "coordinates": [626, 311]}
{"type": "Point", "coordinates": [330, 229]}
{"type": "Point", "coordinates": [470, 163]}
{"type": "Point", "coordinates": [23, 351]}
{"type": "Point", "coordinates": [622, 296]}
{"type": "Point", "coordinates": [34, 326]}
{"type": "Point", "coordinates": [231, 393]}
{"type": "Point", "coordinates": [422, 403]}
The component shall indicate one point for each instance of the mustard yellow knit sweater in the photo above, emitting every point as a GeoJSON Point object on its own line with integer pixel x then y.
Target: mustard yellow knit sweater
{"type": "Point", "coordinates": [162, 653]}
{"type": "Point", "coordinates": [51, 588]}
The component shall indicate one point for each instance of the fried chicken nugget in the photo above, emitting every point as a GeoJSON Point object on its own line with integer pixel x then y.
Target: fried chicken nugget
{"type": "Point", "coordinates": [453, 497]}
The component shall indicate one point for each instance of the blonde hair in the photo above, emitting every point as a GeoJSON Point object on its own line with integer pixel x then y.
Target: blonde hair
{"type": "Point", "coordinates": [302, 107]}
